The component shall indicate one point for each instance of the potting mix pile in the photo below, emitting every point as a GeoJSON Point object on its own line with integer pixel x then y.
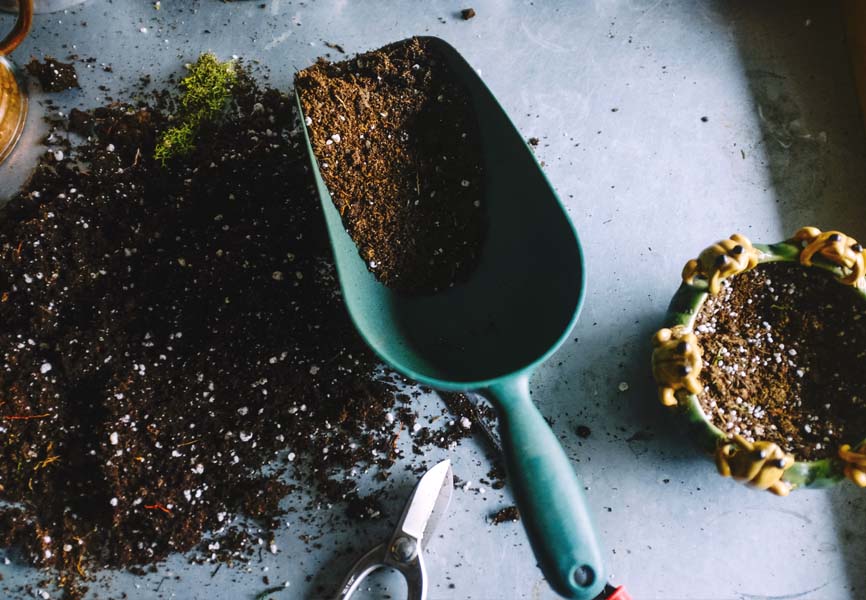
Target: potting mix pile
{"type": "Point", "coordinates": [53, 75]}
{"type": "Point", "coordinates": [783, 352]}
{"type": "Point", "coordinates": [174, 341]}
{"type": "Point", "coordinates": [398, 146]}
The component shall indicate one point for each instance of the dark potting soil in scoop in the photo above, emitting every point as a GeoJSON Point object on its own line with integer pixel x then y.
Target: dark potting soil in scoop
{"type": "Point", "coordinates": [398, 147]}
{"type": "Point", "coordinates": [783, 351]}
{"type": "Point", "coordinates": [174, 341]}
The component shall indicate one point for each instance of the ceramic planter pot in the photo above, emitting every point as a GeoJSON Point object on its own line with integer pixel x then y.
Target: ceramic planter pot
{"type": "Point", "coordinates": [677, 359]}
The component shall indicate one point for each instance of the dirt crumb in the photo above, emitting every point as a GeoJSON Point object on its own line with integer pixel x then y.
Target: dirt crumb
{"type": "Point", "coordinates": [583, 431]}
{"type": "Point", "coordinates": [507, 514]}
{"type": "Point", "coordinates": [53, 75]}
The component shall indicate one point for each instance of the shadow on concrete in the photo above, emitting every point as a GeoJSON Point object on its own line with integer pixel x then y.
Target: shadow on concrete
{"type": "Point", "coordinates": [797, 67]}
{"type": "Point", "coordinates": [798, 70]}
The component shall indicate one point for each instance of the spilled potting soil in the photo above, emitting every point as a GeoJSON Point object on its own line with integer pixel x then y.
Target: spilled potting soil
{"type": "Point", "coordinates": [398, 146]}
{"type": "Point", "coordinates": [174, 343]}
{"type": "Point", "coordinates": [53, 75]}
{"type": "Point", "coordinates": [783, 349]}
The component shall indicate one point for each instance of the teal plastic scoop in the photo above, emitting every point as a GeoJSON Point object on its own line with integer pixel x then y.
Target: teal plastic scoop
{"type": "Point", "coordinates": [489, 333]}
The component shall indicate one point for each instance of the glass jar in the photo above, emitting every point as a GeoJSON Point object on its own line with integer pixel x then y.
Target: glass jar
{"type": "Point", "coordinates": [13, 101]}
{"type": "Point", "coordinates": [40, 6]}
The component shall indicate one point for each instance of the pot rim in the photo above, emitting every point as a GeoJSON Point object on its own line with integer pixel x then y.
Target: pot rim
{"type": "Point", "coordinates": [683, 310]}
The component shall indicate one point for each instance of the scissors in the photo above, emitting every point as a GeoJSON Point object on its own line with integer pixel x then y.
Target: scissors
{"type": "Point", "coordinates": [405, 550]}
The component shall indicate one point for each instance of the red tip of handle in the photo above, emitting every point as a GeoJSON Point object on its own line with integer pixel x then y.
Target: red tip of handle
{"type": "Point", "coordinates": [619, 594]}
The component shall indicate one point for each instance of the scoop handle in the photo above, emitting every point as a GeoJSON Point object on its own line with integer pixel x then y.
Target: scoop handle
{"type": "Point", "coordinates": [548, 493]}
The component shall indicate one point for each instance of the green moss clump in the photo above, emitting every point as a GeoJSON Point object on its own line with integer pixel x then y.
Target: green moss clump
{"type": "Point", "coordinates": [176, 141]}
{"type": "Point", "coordinates": [206, 91]}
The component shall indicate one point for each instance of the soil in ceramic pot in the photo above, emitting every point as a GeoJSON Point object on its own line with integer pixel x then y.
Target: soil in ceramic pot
{"type": "Point", "coordinates": [173, 342]}
{"type": "Point", "coordinates": [784, 349]}
{"type": "Point", "coordinates": [397, 144]}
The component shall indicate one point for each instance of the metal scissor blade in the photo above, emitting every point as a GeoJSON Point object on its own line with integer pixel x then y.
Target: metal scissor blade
{"type": "Point", "coordinates": [442, 502]}
{"type": "Point", "coordinates": [428, 502]}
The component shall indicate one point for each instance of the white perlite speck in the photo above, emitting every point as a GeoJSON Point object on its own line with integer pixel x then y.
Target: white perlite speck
{"type": "Point", "coordinates": [465, 423]}
{"type": "Point", "coordinates": [113, 502]}
{"type": "Point", "coordinates": [623, 386]}
{"type": "Point", "coordinates": [45, 368]}
{"type": "Point", "coordinates": [113, 438]}
{"type": "Point", "coordinates": [245, 437]}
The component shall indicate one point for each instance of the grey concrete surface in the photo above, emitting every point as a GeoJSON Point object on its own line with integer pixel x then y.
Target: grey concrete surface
{"type": "Point", "coordinates": [648, 185]}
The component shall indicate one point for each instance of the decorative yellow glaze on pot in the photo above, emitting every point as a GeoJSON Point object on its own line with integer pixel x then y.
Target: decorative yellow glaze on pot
{"type": "Point", "coordinates": [855, 463]}
{"type": "Point", "coordinates": [722, 260]}
{"type": "Point", "coordinates": [757, 464]}
{"type": "Point", "coordinates": [838, 248]}
{"type": "Point", "coordinates": [676, 363]}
